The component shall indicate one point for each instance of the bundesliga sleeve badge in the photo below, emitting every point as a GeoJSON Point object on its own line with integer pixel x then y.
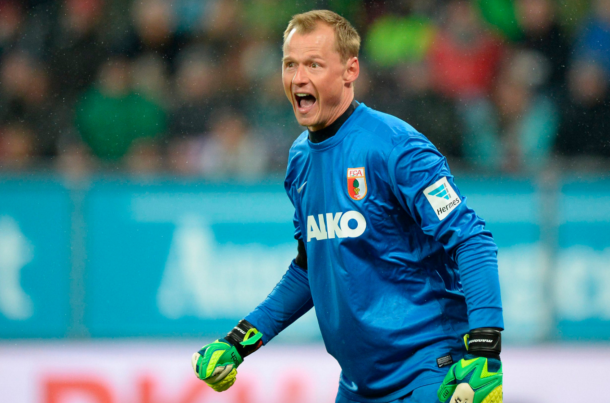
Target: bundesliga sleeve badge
{"type": "Point", "coordinates": [442, 198]}
{"type": "Point", "coordinates": [356, 183]}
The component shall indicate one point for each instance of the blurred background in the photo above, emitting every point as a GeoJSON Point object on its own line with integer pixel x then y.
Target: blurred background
{"type": "Point", "coordinates": [143, 145]}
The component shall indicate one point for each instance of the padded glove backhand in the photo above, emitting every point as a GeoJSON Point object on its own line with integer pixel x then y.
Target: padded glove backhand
{"type": "Point", "coordinates": [473, 380]}
{"type": "Point", "coordinates": [477, 378]}
{"type": "Point", "coordinates": [216, 363]}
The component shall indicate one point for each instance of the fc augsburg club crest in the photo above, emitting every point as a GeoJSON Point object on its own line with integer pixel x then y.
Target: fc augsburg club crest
{"type": "Point", "coordinates": [356, 183]}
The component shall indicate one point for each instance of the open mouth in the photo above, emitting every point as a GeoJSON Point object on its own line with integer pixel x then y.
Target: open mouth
{"type": "Point", "coordinates": [304, 101]}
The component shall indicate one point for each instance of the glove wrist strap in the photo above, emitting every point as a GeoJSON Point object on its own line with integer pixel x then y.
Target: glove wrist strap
{"type": "Point", "coordinates": [245, 337]}
{"type": "Point", "coordinates": [485, 342]}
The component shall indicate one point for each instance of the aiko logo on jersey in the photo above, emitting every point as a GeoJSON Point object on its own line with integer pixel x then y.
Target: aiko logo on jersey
{"type": "Point", "coordinates": [329, 225]}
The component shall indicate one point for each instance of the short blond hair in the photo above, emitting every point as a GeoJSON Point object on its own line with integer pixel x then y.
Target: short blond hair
{"type": "Point", "coordinates": [346, 37]}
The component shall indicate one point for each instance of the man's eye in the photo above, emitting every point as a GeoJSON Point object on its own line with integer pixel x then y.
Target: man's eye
{"type": "Point", "coordinates": [289, 64]}
{"type": "Point", "coordinates": [315, 65]}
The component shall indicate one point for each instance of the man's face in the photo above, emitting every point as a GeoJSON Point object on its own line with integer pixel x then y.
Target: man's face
{"type": "Point", "coordinates": [315, 79]}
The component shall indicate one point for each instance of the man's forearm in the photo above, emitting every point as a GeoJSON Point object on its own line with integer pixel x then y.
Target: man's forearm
{"type": "Point", "coordinates": [478, 264]}
{"type": "Point", "coordinates": [216, 363]}
{"type": "Point", "coordinates": [289, 300]}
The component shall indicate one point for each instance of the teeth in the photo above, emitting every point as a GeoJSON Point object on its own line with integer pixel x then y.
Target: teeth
{"type": "Point", "coordinates": [301, 94]}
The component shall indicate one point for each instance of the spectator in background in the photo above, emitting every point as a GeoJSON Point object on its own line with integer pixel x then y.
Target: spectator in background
{"type": "Point", "coordinates": [401, 36]}
{"type": "Point", "coordinates": [500, 15]}
{"type": "Point", "coordinates": [73, 48]}
{"type": "Point", "coordinates": [16, 147]}
{"type": "Point", "coordinates": [113, 120]}
{"type": "Point", "coordinates": [585, 127]}
{"type": "Point", "coordinates": [154, 31]}
{"type": "Point", "coordinates": [514, 131]}
{"type": "Point", "coordinates": [266, 108]}
{"type": "Point", "coordinates": [593, 41]}
{"type": "Point", "coordinates": [76, 49]}
{"type": "Point", "coordinates": [196, 89]}
{"type": "Point", "coordinates": [218, 30]}
{"type": "Point", "coordinates": [25, 97]}
{"type": "Point", "coordinates": [150, 78]}
{"type": "Point", "coordinates": [225, 45]}
{"type": "Point", "coordinates": [543, 35]}
{"type": "Point", "coordinates": [265, 18]}
{"type": "Point", "coordinates": [464, 57]}
{"type": "Point", "coordinates": [395, 39]}
{"type": "Point", "coordinates": [230, 151]}
{"type": "Point", "coordinates": [11, 25]}
{"type": "Point", "coordinates": [414, 100]}
{"type": "Point", "coordinates": [189, 15]}
{"type": "Point", "coordinates": [273, 117]}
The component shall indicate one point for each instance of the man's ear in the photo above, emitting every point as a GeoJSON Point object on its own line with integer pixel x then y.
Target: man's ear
{"type": "Point", "coordinates": [352, 70]}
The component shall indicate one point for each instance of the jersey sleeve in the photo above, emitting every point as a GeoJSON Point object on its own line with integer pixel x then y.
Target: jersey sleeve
{"type": "Point", "coordinates": [421, 180]}
{"type": "Point", "coordinates": [289, 300]}
{"type": "Point", "coordinates": [291, 297]}
{"type": "Point", "coordinates": [298, 235]}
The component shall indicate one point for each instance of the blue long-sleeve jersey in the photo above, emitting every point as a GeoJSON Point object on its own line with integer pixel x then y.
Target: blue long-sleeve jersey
{"type": "Point", "coordinates": [399, 268]}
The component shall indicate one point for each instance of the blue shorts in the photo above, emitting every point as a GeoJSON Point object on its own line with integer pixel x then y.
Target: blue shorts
{"type": "Point", "coordinates": [425, 394]}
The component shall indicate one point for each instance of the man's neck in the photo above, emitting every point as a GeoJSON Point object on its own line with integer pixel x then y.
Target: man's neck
{"type": "Point", "coordinates": [319, 136]}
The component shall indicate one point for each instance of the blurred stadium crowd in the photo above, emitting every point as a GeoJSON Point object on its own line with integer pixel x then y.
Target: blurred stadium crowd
{"type": "Point", "coordinates": [192, 87]}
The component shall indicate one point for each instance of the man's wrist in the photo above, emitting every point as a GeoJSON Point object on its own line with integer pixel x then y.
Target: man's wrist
{"type": "Point", "coordinates": [241, 334]}
{"type": "Point", "coordinates": [484, 342]}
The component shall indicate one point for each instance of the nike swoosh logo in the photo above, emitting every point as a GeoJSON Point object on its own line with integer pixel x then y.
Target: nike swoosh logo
{"type": "Point", "coordinates": [351, 387]}
{"type": "Point", "coordinates": [301, 188]}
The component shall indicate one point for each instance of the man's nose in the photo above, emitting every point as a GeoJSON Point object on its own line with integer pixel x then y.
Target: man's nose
{"type": "Point", "coordinates": [300, 76]}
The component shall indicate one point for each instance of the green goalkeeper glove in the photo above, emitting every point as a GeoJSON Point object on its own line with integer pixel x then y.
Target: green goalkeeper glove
{"type": "Point", "coordinates": [216, 363]}
{"type": "Point", "coordinates": [477, 378]}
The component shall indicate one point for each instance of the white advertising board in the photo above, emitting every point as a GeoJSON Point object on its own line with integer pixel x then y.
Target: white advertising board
{"type": "Point", "coordinates": [159, 372]}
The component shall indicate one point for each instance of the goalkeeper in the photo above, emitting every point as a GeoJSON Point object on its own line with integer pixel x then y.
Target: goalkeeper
{"type": "Point", "coordinates": [401, 272]}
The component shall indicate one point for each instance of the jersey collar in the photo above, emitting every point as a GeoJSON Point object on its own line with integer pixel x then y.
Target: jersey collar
{"type": "Point", "coordinates": [331, 135]}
